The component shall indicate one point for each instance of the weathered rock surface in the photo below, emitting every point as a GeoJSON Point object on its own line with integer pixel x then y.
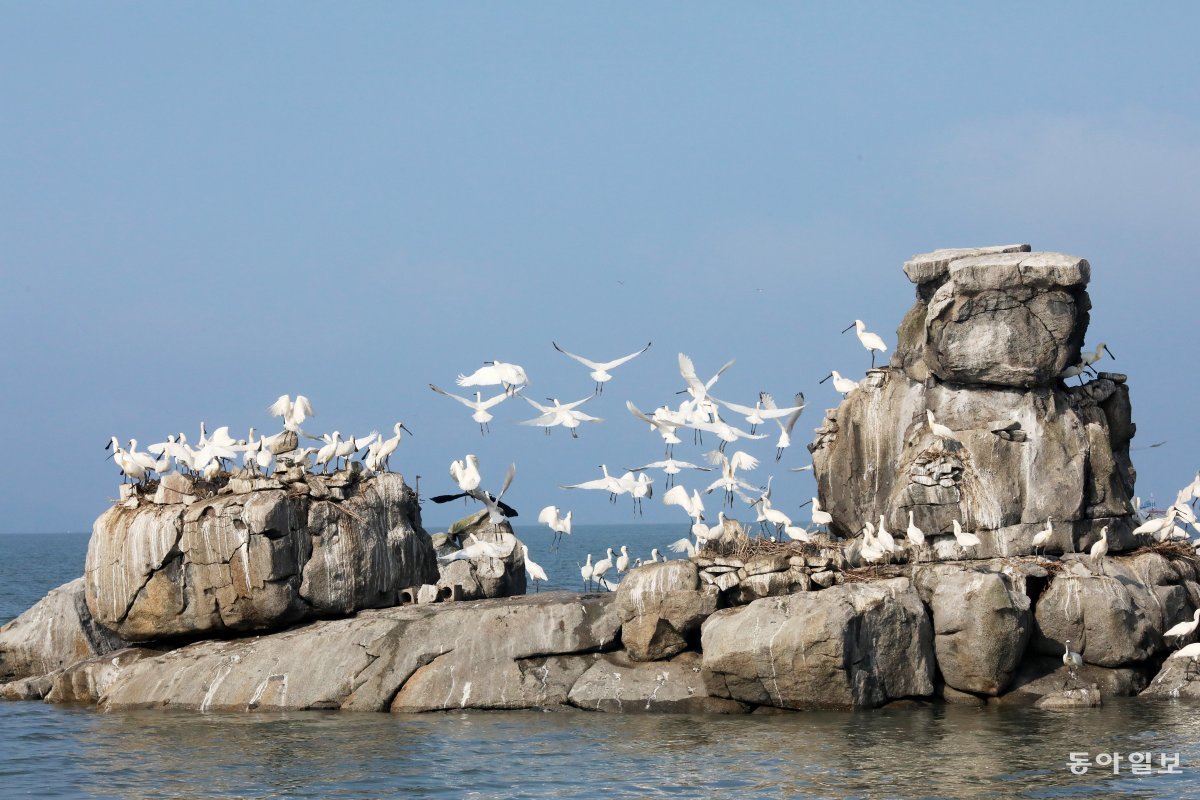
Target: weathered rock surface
{"type": "Point", "coordinates": [981, 626]}
{"type": "Point", "coordinates": [661, 607]}
{"type": "Point", "coordinates": [857, 645]}
{"type": "Point", "coordinates": [1083, 697]}
{"type": "Point", "coordinates": [489, 654]}
{"type": "Point", "coordinates": [616, 684]}
{"type": "Point", "coordinates": [257, 560]}
{"type": "Point", "coordinates": [86, 681]}
{"type": "Point", "coordinates": [982, 349]}
{"type": "Point", "coordinates": [1114, 613]}
{"type": "Point", "coordinates": [1043, 676]}
{"type": "Point", "coordinates": [483, 578]}
{"type": "Point", "coordinates": [1179, 677]}
{"type": "Point", "coordinates": [54, 633]}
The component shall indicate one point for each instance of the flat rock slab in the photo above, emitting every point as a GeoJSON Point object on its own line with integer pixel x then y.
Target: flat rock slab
{"type": "Point", "coordinates": [615, 684]}
{"type": "Point", "coordinates": [858, 645]}
{"type": "Point", "coordinates": [366, 662]}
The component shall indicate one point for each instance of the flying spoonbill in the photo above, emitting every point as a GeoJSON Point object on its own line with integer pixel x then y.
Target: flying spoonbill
{"type": "Point", "coordinates": [600, 369]}
{"type": "Point", "coordinates": [496, 373]}
{"type": "Point", "coordinates": [478, 405]}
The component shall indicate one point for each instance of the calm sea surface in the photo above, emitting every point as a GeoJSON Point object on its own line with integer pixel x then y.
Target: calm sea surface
{"type": "Point", "coordinates": [951, 752]}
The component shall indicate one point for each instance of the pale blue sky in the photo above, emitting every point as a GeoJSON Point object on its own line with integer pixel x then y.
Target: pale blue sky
{"type": "Point", "coordinates": [209, 205]}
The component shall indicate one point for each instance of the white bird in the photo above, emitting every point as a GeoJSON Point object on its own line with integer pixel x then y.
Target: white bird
{"type": "Point", "coordinates": [1157, 526]}
{"type": "Point", "coordinates": [938, 428]}
{"type": "Point", "coordinates": [533, 570]}
{"type": "Point", "coordinates": [655, 557]}
{"type": "Point", "coordinates": [785, 425]}
{"type": "Point", "coordinates": [1191, 651]}
{"type": "Point", "coordinates": [964, 539]}
{"type": "Point", "coordinates": [869, 340]}
{"type": "Point", "coordinates": [563, 414]}
{"type": "Point", "coordinates": [871, 550]}
{"type": "Point", "coordinates": [1043, 537]}
{"type": "Point", "coordinates": [670, 468]}
{"type": "Point", "coordinates": [692, 504]}
{"type": "Point", "coordinates": [129, 468]}
{"type": "Point", "coordinates": [600, 369]}
{"type": "Point", "coordinates": [915, 534]}
{"type": "Point", "coordinates": [774, 516]}
{"type": "Point", "coordinates": [1184, 628]}
{"type": "Point", "coordinates": [606, 483]}
{"type": "Point", "coordinates": [496, 373]}
{"type": "Point", "coordinates": [705, 534]}
{"type": "Point", "coordinates": [729, 481]}
{"type": "Point", "coordinates": [560, 526]}
{"type": "Point", "coordinates": [144, 460]}
{"type": "Point", "coordinates": [697, 389]}
{"type": "Point", "coordinates": [724, 431]}
{"type": "Point", "coordinates": [466, 472]}
{"type": "Point", "coordinates": [293, 413]}
{"type": "Point", "coordinates": [479, 406]}
{"type": "Point", "coordinates": [820, 517]}
{"type": "Point", "coordinates": [842, 386]}
{"type": "Point", "coordinates": [1100, 548]}
{"type": "Point", "coordinates": [683, 545]}
{"type": "Point", "coordinates": [1071, 660]}
{"type": "Point", "coordinates": [623, 560]}
{"type": "Point", "coordinates": [386, 447]}
{"type": "Point", "coordinates": [796, 533]}
{"type": "Point", "coordinates": [664, 425]}
{"type": "Point", "coordinates": [602, 566]}
{"type": "Point", "coordinates": [760, 412]}
{"type": "Point", "coordinates": [886, 541]}
{"type": "Point", "coordinates": [1101, 349]}
{"type": "Point", "coordinates": [497, 512]}
{"type": "Point", "coordinates": [477, 549]}
{"type": "Point", "coordinates": [639, 488]}
{"type": "Point", "coordinates": [329, 451]}
{"type": "Point", "coordinates": [585, 572]}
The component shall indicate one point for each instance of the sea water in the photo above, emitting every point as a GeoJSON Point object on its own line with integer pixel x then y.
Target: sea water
{"type": "Point", "coordinates": [937, 751]}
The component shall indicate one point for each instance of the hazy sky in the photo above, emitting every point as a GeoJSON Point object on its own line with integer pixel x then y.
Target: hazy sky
{"type": "Point", "coordinates": [205, 206]}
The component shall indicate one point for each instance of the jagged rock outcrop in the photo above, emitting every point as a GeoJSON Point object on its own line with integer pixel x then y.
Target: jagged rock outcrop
{"type": "Point", "coordinates": [858, 645]}
{"type": "Point", "coordinates": [289, 548]}
{"type": "Point", "coordinates": [983, 348]}
{"type": "Point", "coordinates": [661, 607]}
{"type": "Point", "coordinates": [487, 654]}
{"type": "Point", "coordinates": [482, 578]}
{"type": "Point", "coordinates": [54, 633]}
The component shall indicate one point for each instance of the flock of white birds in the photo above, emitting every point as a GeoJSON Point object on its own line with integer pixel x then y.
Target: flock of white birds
{"type": "Point", "coordinates": [700, 412]}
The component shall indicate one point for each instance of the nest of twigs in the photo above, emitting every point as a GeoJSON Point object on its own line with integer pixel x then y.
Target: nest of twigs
{"type": "Point", "coordinates": [1172, 551]}
{"type": "Point", "coordinates": [745, 547]}
{"type": "Point", "coordinates": [875, 572]}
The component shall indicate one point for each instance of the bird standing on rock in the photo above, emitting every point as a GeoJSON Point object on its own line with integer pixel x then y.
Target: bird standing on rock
{"type": "Point", "coordinates": [1072, 661]}
{"type": "Point", "coordinates": [869, 340]}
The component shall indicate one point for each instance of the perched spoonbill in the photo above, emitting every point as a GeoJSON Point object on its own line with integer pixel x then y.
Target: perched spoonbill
{"type": "Point", "coordinates": [602, 566]}
{"type": "Point", "coordinates": [869, 340]}
{"type": "Point", "coordinates": [623, 560]}
{"type": "Point", "coordinates": [478, 405]}
{"type": "Point", "coordinates": [963, 538]}
{"type": "Point", "coordinates": [1184, 628]}
{"type": "Point", "coordinates": [1101, 349]}
{"type": "Point", "coordinates": [477, 549]}
{"type": "Point", "coordinates": [600, 369]}
{"type": "Point", "coordinates": [1043, 537]}
{"type": "Point", "coordinates": [820, 517]}
{"type": "Point", "coordinates": [842, 386]}
{"type": "Point", "coordinates": [938, 428]}
{"type": "Point", "coordinates": [533, 570]}
{"type": "Point", "coordinates": [1071, 660]}
{"type": "Point", "coordinates": [388, 446]}
{"type": "Point", "coordinates": [585, 572]}
{"type": "Point", "coordinates": [1100, 548]}
{"type": "Point", "coordinates": [1191, 651]}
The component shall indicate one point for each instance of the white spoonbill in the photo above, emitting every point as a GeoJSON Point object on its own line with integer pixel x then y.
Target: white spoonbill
{"type": "Point", "coordinates": [1101, 349]}
{"type": "Point", "coordinates": [797, 534]}
{"type": "Point", "coordinates": [533, 569]}
{"type": "Point", "coordinates": [563, 414]}
{"type": "Point", "coordinates": [560, 526]}
{"type": "Point", "coordinates": [729, 481]}
{"type": "Point", "coordinates": [670, 468]}
{"type": "Point", "coordinates": [869, 340]}
{"type": "Point", "coordinates": [1100, 548]}
{"type": "Point", "coordinates": [724, 431]}
{"type": "Point", "coordinates": [938, 428]}
{"type": "Point", "coordinates": [585, 572]}
{"type": "Point", "coordinates": [665, 425]}
{"type": "Point", "coordinates": [496, 373]}
{"type": "Point", "coordinates": [1043, 536]}
{"type": "Point", "coordinates": [692, 504]}
{"type": "Point", "coordinates": [388, 446]}
{"type": "Point", "coordinates": [697, 389]}
{"type": "Point", "coordinates": [915, 534]}
{"type": "Point", "coordinates": [820, 517]}
{"type": "Point", "coordinates": [623, 560]}
{"type": "Point", "coordinates": [963, 538]}
{"type": "Point", "coordinates": [842, 386]}
{"type": "Point", "coordinates": [1186, 628]}
{"type": "Point", "coordinates": [129, 468]}
{"type": "Point", "coordinates": [293, 413]}
{"type": "Point", "coordinates": [466, 472]}
{"type": "Point", "coordinates": [602, 566]}
{"type": "Point", "coordinates": [760, 412]}
{"type": "Point", "coordinates": [479, 406]}
{"type": "Point", "coordinates": [654, 555]}
{"type": "Point", "coordinates": [787, 424]}
{"type": "Point", "coordinates": [871, 550]}
{"type": "Point", "coordinates": [1191, 651]}
{"type": "Point", "coordinates": [600, 369]}
{"type": "Point", "coordinates": [475, 550]}
{"type": "Point", "coordinates": [607, 483]}
{"type": "Point", "coordinates": [1071, 660]}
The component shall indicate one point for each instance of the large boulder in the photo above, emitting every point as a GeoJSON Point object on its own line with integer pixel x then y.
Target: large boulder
{"type": "Point", "coordinates": [258, 559]}
{"type": "Point", "coordinates": [1114, 612]}
{"type": "Point", "coordinates": [858, 645]}
{"type": "Point", "coordinates": [661, 607]}
{"type": "Point", "coordinates": [981, 625]}
{"type": "Point", "coordinates": [508, 653]}
{"type": "Point", "coordinates": [54, 633]}
{"type": "Point", "coordinates": [617, 684]}
{"type": "Point", "coordinates": [1039, 677]}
